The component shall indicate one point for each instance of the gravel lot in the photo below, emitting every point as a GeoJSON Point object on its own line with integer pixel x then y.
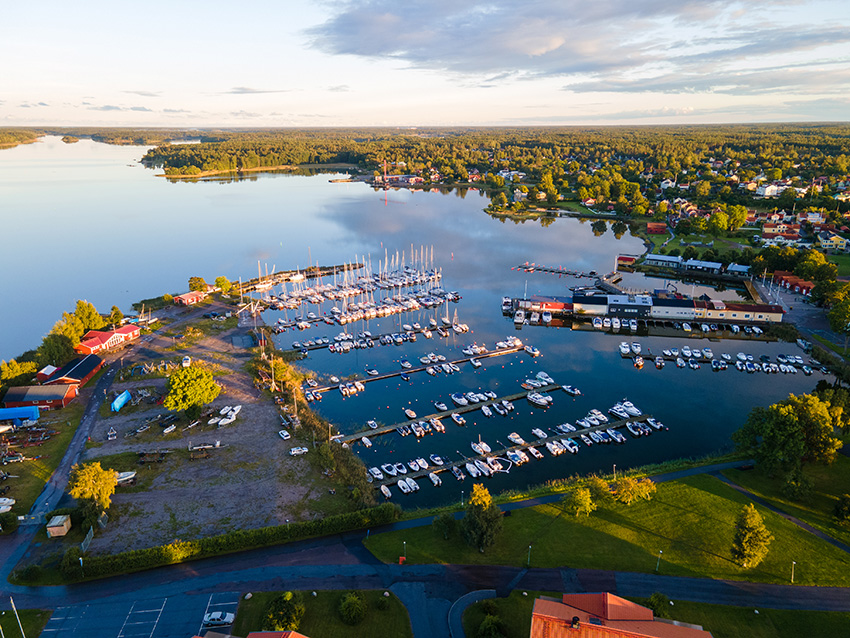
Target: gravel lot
{"type": "Point", "coordinates": [250, 481]}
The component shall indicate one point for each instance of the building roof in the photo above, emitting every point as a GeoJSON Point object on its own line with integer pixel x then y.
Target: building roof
{"type": "Point", "coordinates": [192, 294]}
{"type": "Point", "coordinates": [76, 369]}
{"type": "Point", "coordinates": [751, 307]}
{"type": "Point", "coordinates": [635, 300]}
{"type": "Point", "coordinates": [696, 263]}
{"type": "Point", "coordinates": [671, 302]}
{"type": "Point", "coordinates": [669, 258]}
{"type": "Point", "coordinates": [737, 268]}
{"type": "Point", "coordinates": [602, 614]}
{"type": "Point", "coordinates": [27, 412]}
{"type": "Point", "coordinates": [275, 634]}
{"type": "Point", "coordinates": [24, 393]}
{"type": "Point", "coordinates": [590, 300]}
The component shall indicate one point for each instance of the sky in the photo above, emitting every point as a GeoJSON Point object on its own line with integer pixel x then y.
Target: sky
{"type": "Point", "coordinates": [402, 63]}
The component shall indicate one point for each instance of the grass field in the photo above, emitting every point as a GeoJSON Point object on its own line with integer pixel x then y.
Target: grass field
{"type": "Point", "coordinates": [321, 620]}
{"type": "Point", "coordinates": [691, 521]}
{"type": "Point", "coordinates": [46, 457]}
{"type": "Point", "coordinates": [829, 483]}
{"type": "Point", "coordinates": [742, 622]}
{"type": "Point", "coordinates": [32, 620]}
{"type": "Point", "coordinates": [831, 346]}
{"type": "Point", "coordinates": [843, 263]}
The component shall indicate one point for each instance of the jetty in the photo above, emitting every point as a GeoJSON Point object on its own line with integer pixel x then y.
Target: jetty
{"type": "Point", "coordinates": [552, 270]}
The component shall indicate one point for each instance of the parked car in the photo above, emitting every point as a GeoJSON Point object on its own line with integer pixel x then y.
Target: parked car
{"type": "Point", "coordinates": [284, 435]}
{"type": "Point", "coordinates": [218, 619]}
{"type": "Point", "coordinates": [298, 451]}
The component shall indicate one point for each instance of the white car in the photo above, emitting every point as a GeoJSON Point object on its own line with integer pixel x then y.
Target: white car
{"type": "Point", "coordinates": [298, 451]}
{"type": "Point", "coordinates": [284, 435]}
{"type": "Point", "coordinates": [218, 619]}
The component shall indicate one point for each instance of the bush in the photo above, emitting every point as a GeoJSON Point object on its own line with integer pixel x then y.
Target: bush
{"type": "Point", "coordinates": [491, 627]}
{"type": "Point", "coordinates": [489, 607]}
{"type": "Point", "coordinates": [285, 612]}
{"type": "Point", "coordinates": [30, 573]}
{"type": "Point", "coordinates": [445, 524]}
{"type": "Point", "coordinates": [842, 508]}
{"type": "Point", "coordinates": [9, 522]}
{"type": "Point", "coordinates": [352, 608]}
{"type": "Point", "coordinates": [383, 603]}
{"type": "Point", "coordinates": [70, 564]}
{"type": "Point", "coordinates": [659, 604]}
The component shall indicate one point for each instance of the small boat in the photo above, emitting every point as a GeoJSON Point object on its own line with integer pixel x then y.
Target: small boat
{"type": "Point", "coordinates": [458, 418]}
{"type": "Point", "coordinates": [413, 464]}
{"type": "Point", "coordinates": [540, 400]}
{"type": "Point", "coordinates": [458, 473]}
{"type": "Point", "coordinates": [372, 424]}
{"type": "Point", "coordinates": [376, 473]}
{"type": "Point", "coordinates": [442, 407]}
{"type": "Point", "coordinates": [472, 470]}
{"type": "Point", "coordinates": [639, 362]}
{"type": "Point", "coordinates": [459, 399]}
{"type": "Point", "coordinates": [540, 434]}
{"type": "Point", "coordinates": [366, 442]}
{"type": "Point", "coordinates": [120, 477]}
{"type": "Point", "coordinates": [635, 348]}
{"type": "Point", "coordinates": [400, 468]}
{"type": "Point", "coordinates": [476, 447]}
{"type": "Point", "coordinates": [486, 411]}
{"type": "Point", "coordinates": [225, 410]}
{"type": "Point", "coordinates": [630, 407]}
{"type": "Point", "coordinates": [389, 469]}
{"type": "Point", "coordinates": [570, 445]}
{"type": "Point", "coordinates": [413, 485]}
{"type": "Point", "coordinates": [615, 324]}
{"type": "Point", "coordinates": [570, 389]}
{"type": "Point", "coordinates": [535, 452]}
{"type": "Point", "coordinates": [386, 491]}
{"type": "Point", "coordinates": [625, 350]}
{"type": "Point", "coordinates": [403, 486]}
{"type": "Point", "coordinates": [372, 372]}
{"type": "Point", "coordinates": [534, 352]}
{"type": "Point", "coordinates": [436, 480]}
{"type": "Point", "coordinates": [499, 409]}
{"type": "Point", "coordinates": [475, 363]}
{"type": "Point", "coordinates": [659, 362]}
{"type": "Point", "coordinates": [436, 460]}
{"type": "Point", "coordinates": [410, 414]}
{"type": "Point", "coordinates": [227, 420]}
{"type": "Point", "coordinates": [171, 428]}
{"type": "Point", "coordinates": [423, 464]}
{"type": "Point", "coordinates": [586, 440]}
{"type": "Point", "coordinates": [483, 467]}
{"type": "Point", "coordinates": [535, 317]}
{"type": "Point", "coordinates": [112, 434]}
{"type": "Point", "coordinates": [214, 420]}
{"type": "Point", "coordinates": [513, 437]}
{"type": "Point", "coordinates": [597, 323]}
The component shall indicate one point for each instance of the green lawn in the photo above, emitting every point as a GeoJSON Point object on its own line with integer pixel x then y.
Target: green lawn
{"type": "Point", "coordinates": [829, 483]}
{"type": "Point", "coordinates": [742, 622]}
{"type": "Point", "coordinates": [46, 457]}
{"type": "Point", "coordinates": [321, 619]}
{"type": "Point", "coordinates": [33, 621]}
{"type": "Point", "coordinates": [691, 521]}
{"type": "Point", "coordinates": [831, 346]}
{"type": "Point", "coordinates": [515, 612]}
{"type": "Point", "coordinates": [843, 262]}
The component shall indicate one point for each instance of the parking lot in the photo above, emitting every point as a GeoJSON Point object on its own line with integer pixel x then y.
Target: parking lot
{"type": "Point", "coordinates": [172, 617]}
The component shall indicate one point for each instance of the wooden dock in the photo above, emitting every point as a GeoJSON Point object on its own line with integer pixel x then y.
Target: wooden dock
{"type": "Point", "coordinates": [502, 451]}
{"type": "Point", "coordinates": [560, 270]}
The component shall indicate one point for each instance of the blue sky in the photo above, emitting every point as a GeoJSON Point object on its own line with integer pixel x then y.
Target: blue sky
{"type": "Point", "coordinates": [408, 63]}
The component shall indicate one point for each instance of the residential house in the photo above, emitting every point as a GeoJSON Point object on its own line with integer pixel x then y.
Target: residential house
{"type": "Point", "coordinates": [791, 282]}
{"type": "Point", "coordinates": [190, 298]}
{"type": "Point", "coordinates": [45, 397]}
{"type": "Point", "coordinates": [95, 341]}
{"type": "Point", "coordinates": [77, 371]}
{"type": "Point", "coordinates": [831, 241]}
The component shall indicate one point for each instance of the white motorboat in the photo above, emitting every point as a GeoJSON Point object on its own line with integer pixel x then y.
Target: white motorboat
{"type": "Point", "coordinates": [483, 467]}
{"type": "Point", "coordinates": [459, 399]}
{"type": "Point", "coordinates": [635, 348]}
{"type": "Point", "coordinates": [225, 410]}
{"type": "Point", "coordinates": [403, 486]}
{"type": "Point", "coordinates": [388, 469]}
{"type": "Point", "coordinates": [400, 468]}
{"type": "Point", "coordinates": [413, 464]}
{"type": "Point", "coordinates": [545, 378]}
{"type": "Point", "coordinates": [535, 452]}
{"type": "Point", "coordinates": [436, 480]}
{"type": "Point", "coordinates": [571, 389]}
{"type": "Point", "coordinates": [624, 349]}
{"type": "Point", "coordinates": [472, 470]}
{"type": "Point", "coordinates": [436, 460]}
{"type": "Point", "coordinates": [475, 363]}
{"type": "Point", "coordinates": [519, 317]}
{"type": "Point", "coordinates": [540, 400]}
{"type": "Point", "coordinates": [423, 464]}
{"type": "Point", "coordinates": [365, 441]}
{"type": "Point", "coordinates": [540, 434]}
{"type": "Point", "coordinates": [386, 491]}
{"type": "Point", "coordinates": [376, 473]}
{"type": "Point", "coordinates": [372, 424]}
{"type": "Point", "coordinates": [410, 414]}
{"type": "Point", "coordinates": [413, 485]}
{"type": "Point", "coordinates": [442, 407]}
{"type": "Point", "coordinates": [476, 447]}
{"type": "Point", "coordinates": [120, 477]}
{"type": "Point", "coordinates": [486, 411]}
{"type": "Point", "coordinates": [458, 418]}
{"type": "Point", "coordinates": [630, 407]}
{"type": "Point", "coordinates": [615, 324]}
{"type": "Point", "coordinates": [515, 438]}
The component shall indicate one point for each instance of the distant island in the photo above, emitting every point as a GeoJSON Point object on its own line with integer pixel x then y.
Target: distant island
{"type": "Point", "coordinates": [70, 139]}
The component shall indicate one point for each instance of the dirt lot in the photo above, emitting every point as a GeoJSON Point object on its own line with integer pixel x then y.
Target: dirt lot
{"type": "Point", "coordinates": [249, 481]}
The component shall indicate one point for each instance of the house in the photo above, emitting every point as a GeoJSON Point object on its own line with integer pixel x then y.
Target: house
{"type": "Point", "coordinates": [831, 241]}
{"type": "Point", "coordinates": [656, 228]}
{"type": "Point", "coordinates": [667, 183]}
{"type": "Point", "coordinates": [754, 313]}
{"type": "Point", "coordinates": [663, 261]}
{"type": "Point", "coordinates": [672, 308]}
{"type": "Point", "coordinates": [58, 526]}
{"type": "Point", "coordinates": [767, 190]}
{"type": "Point", "coordinates": [275, 634]}
{"type": "Point", "coordinates": [712, 267]}
{"type": "Point", "coordinates": [590, 304]}
{"type": "Point", "coordinates": [792, 282]}
{"type": "Point", "coordinates": [602, 615]}
{"type": "Point", "coordinates": [77, 371]}
{"type": "Point", "coordinates": [45, 373]}
{"type": "Point", "coordinates": [95, 341]}
{"type": "Point", "coordinates": [47, 397]}
{"type": "Point", "coordinates": [190, 298]}
{"type": "Point", "coordinates": [630, 306]}
{"type": "Point", "coordinates": [738, 270]}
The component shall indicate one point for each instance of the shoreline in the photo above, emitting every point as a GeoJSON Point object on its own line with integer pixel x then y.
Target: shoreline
{"type": "Point", "coordinates": [285, 167]}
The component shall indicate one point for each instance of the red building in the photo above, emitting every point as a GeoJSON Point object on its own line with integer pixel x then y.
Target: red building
{"type": "Point", "coordinates": [76, 372]}
{"type": "Point", "coordinates": [602, 615]}
{"type": "Point", "coordinates": [190, 298]}
{"type": "Point", "coordinates": [656, 228]}
{"type": "Point", "coordinates": [43, 396]}
{"type": "Point", "coordinates": [793, 283]}
{"type": "Point", "coordinates": [95, 341]}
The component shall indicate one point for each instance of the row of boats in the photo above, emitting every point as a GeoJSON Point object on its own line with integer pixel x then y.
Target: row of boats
{"type": "Point", "coordinates": [615, 324]}
{"type": "Point", "coordinates": [226, 416]}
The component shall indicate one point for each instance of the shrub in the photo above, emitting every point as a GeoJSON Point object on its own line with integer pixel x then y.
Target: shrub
{"type": "Point", "coordinates": [842, 508]}
{"type": "Point", "coordinates": [490, 627]}
{"type": "Point", "coordinates": [70, 564]}
{"type": "Point", "coordinates": [489, 607]}
{"type": "Point", "coordinates": [30, 573]}
{"type": "Point", "coordinates": [659, 604]}
{"type": "Point", "coordinates": [383, 603]}
{"type": "Point", "coordinates": [352, 608]}
{"type": "Point", "coordinates": [9, 522]}
{"type": "Point", "coordinates": [285, 612]}
{"type": "Point", "coordinates": [445, 524]}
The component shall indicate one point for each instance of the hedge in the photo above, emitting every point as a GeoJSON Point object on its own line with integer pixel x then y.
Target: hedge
{"type": "Point", "coordinates": [239, 540]}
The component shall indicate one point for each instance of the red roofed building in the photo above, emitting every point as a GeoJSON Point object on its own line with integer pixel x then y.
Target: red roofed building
{"type": "Point", "coordinates": [95, 341]}
{"type": "Point", "coordinates": [46, 397]}
{"type": "Point", "coordinates": [791, 282]}
{"type": "Point", "coordinates": [602, 615]}
{"type": "Point", "coordinates": [656, 228]}
{"type": "Point", "coordinates": [275, 634]}
{"type": "Point", "coordinates": [190, 298]}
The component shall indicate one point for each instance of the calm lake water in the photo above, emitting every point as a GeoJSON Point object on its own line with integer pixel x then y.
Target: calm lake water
{"type": "Point", "coordinates": [85, 221]}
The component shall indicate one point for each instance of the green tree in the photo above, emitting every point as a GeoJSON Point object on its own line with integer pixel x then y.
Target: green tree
{"type": "Point", "coordinates": [168, 298]}
{"type": "Point", "coordinates": [198, 284]}
{"type": "Point", "coordinates": [842, 508]}
{"type": "Point", "coordinates": [839, 318]}
{"type": "Point", "coordinates": [491, 627]}
{"type": "Point", "coordinates": [483, 520]}
{"type": "Point", "coordinates": [192, 386]}
{"type": "Point", "coordinates": [737, 216]}
{"type": "Point", "coordinates": [752, 539]}
{"type": "Point", "coordinates": [285, 612]}
{"type": "Point", "coordinates": [788, 434]}
{"type": "Point", "coordinates": [445, 524]}
{"type": "Point", "coordinates": [578, 501]}
{"type": "Point", "coordinates": [92, 482]}
{"type": "Point", "coordinates": [55, 349]}
{"type": "Point", "coordinates": [702, 188]}
{"type": "Point", "coordinates": [224, 284]}
{"type": "Point", "coordinates": [600, 490]}
{"type": "Point", "coordinates": [88, 316]}
{"type": "Point", "coordinates": [352, 608]}
{"type": "Point", "coordinates": [116, 317]}
{"type": "Point", "coordinates": [628, 489]}
{"type": "Point", "coordinates": [69, 326]}
{"type": "Point", "coordinates": [719, 222]}
{"type": "Point", "coordinates": [659, 604]}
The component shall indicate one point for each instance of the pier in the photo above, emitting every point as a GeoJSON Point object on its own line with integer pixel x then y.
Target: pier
{"type": "Point", "coordinates": [560, 270]}
{"type": "Point", "coordinates": [502, 451]}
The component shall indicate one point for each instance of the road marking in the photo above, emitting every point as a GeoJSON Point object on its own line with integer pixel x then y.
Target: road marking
{"type": "Point", "coordinates": [206, 611]}
{"type": "Point", "coordinates": [121, 632]}
{"type": "Point", "coordinates": [158, 616]}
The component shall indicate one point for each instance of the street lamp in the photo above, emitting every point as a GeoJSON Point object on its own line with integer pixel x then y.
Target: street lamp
{"type": "Point", "coordinates": [461, 498]}
{"type": "Point", "coordinates": [658, 564]}
{"type": "Point", "coordinates": [793, 562]}
{"type": "Point", "coordinates": [528, 564]}
{"type": "Point", "coordinates": [405, 549]}
{"type": "Point", "coordinates": [615, 471]}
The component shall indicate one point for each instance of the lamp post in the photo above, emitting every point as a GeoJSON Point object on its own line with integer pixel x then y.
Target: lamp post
{"type": "Point", "coordinates": [658, 563]}
{"type": "Point", "coordinates": [461, 498]}
{"type": "Point", "coordinates": [615, 471]}
{"type": "Point", "coordinates": [528, 564]}
{"type": "Point", "coordinates": [405, 549]}
{"type": "Point", "coordinates": [793, 562]}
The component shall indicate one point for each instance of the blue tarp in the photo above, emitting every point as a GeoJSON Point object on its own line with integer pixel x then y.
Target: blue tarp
{"type": "Point", "coordinates": [121, 400]}
{"type": "Point", "coordinates": [19, 414]}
